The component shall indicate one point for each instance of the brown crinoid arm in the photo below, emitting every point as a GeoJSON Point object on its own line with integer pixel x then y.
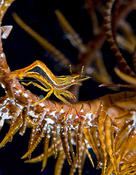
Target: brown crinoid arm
{"type": "Point", "coordinates": [64, 139]}
{"type": "Point", "coordinates": [108, 30]}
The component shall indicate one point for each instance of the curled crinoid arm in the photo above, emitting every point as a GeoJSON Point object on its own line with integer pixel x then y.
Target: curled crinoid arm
{"type": "Point", "coordinates": [50, 82]}
{"type": "Point", "coordinates": [108, 29]}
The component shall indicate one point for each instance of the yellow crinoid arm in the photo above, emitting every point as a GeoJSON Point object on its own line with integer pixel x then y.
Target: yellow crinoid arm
{"type": "Point", "coordinates": [125, 77]}
{"type": "Point", "coordinates": [75, 39]}
{"type": "Point", "coordinates": [42, 41]}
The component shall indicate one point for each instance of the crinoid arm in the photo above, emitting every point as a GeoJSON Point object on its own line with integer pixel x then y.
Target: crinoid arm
{"type": "Point", "coordinates": [125, 77]}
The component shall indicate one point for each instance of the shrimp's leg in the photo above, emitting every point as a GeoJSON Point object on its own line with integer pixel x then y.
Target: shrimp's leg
{"type": "Point", "coordinates": [35, 84]}
{"type": "Point", "coordinates": [68, 94]}
{"type": "Point", "coordinates": [48, 95]}
{"type": "Point", "coordinates": [60, 97]}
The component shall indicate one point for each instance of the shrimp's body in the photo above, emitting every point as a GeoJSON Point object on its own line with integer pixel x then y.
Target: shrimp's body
{"type": "Point", "coordinates": [50, 82]}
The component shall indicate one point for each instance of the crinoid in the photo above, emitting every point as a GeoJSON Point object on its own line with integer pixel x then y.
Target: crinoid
{"type": "Point", "coordinates": [71, 131]}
